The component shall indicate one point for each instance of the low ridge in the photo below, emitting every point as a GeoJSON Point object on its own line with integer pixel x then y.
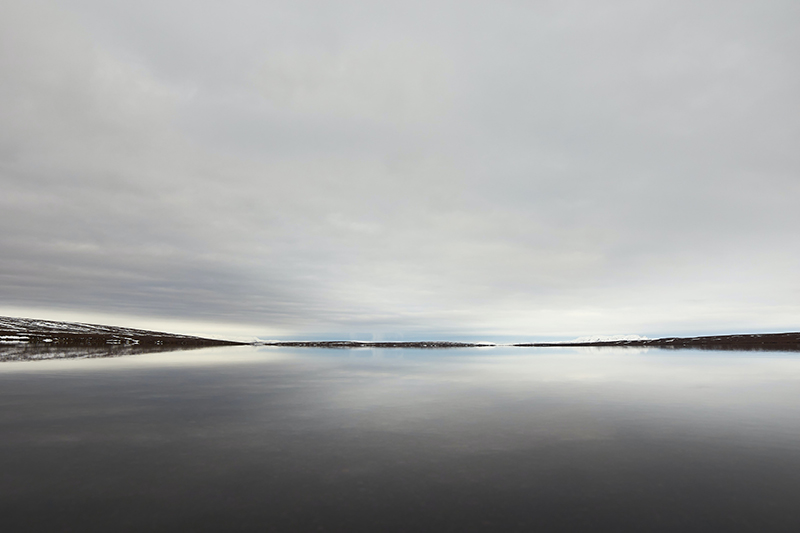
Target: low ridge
{"type": "Point", "coordinates": [751, 341]}
{"type": "Point", "coordinates": [33, 331]}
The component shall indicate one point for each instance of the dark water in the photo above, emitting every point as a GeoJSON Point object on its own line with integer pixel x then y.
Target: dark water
{"type": "Point", "coordinates": [504, 439]}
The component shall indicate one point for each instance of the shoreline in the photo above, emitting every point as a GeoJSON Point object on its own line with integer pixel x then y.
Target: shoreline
{"type": "Point", "coordinates": [751, 341]}
{"type": "Point", "coordinates": [26, 331]}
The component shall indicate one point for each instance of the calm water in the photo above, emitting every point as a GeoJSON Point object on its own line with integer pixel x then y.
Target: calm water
{"type": "Point", "coordinates": [502, 439]}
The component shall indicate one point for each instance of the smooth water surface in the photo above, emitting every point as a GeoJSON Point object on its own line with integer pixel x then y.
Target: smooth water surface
{"type": "Point", "coordinates": [500, 439]}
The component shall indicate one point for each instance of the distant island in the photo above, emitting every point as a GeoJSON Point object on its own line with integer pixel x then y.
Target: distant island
{"type": "Point", "coordinates": [376, 344]}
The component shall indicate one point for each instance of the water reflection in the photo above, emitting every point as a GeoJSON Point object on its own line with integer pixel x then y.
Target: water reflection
{"type": "Point", "coordinates": [44, 352]}
{"type": "Point", "coordinates": [505, 439]}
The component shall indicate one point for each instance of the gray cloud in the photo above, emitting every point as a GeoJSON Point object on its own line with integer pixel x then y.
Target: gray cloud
{"type": "Point", "coordinates": [446, 168]}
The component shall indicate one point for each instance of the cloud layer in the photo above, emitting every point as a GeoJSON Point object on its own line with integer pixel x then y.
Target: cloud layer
{"type": "Point", "coordinates": [404, 169]}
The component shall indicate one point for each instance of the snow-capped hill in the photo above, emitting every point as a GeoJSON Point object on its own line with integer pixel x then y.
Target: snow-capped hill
{"type": "Point", "coordinates": [33, 331]}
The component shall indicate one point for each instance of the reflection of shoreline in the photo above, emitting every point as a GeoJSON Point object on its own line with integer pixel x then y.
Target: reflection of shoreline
{"type": "Point", "coordinates": [782, 342]}
{"type": "Point", "coordinates": [49, 352]}
{"type": "Point", "coordinates": [121, 339]}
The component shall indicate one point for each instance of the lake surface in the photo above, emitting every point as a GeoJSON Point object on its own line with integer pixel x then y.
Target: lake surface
{"type": "Point", "coordinates": [501, 439]}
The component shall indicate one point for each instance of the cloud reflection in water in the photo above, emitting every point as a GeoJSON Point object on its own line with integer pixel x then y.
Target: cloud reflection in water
{"type": "Point", "coordinates": [400, 440]}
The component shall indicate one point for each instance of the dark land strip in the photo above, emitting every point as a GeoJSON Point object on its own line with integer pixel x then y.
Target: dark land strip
{"type": "Point", "coordinates": [358, 344]}
{"type": "Point", "coordinates": [784, 342]}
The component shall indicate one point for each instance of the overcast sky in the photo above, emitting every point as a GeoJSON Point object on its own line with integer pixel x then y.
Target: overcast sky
{"type": "Point", "coordinates": [433, 169]}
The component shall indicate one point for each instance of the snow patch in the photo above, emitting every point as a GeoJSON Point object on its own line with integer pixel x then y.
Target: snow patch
{"type": "Point", "coordinates": [610, 338]}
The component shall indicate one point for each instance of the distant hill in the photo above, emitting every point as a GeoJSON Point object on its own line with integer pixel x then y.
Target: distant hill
{"type": "Point", "coordinates": [34, 331]}
{"type": "Point", "coordinates": [749, 341]}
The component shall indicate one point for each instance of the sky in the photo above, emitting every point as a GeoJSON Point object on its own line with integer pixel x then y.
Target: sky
{"type": "Point", "coordinates": [402, 170]}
